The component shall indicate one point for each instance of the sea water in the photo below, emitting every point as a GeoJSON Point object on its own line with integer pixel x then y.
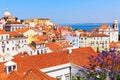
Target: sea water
{"type": "Point", "coordinates": [89, 26]}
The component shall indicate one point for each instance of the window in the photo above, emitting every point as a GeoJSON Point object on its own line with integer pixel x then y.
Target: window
{"type": "Point", "coordinates": [97, 37]}
{"type": "Point", "coordinates": [3, 50]}
{"type": "Point", "coordinates": [59, 77]}
{"type": "Point", "coordinates": [45, 50]}
{"type": "Point", "coordinates": [37, 51]}
{"type": "Point", "coordinates": [12, 29]}
{"type": "Point", "coordinates": [9, 69]}
{"type": "Point", "coordinates": [19, 47]}
{"type": "Point", "coordinates": [67, 76]}
{"type": "Point", "coordinates": [7, 49]}
{"type": "Point", "coordinates": [6, 37]}
{"type": "Point", "coordinates": [96, 42]}
{"type": "Point", "coordinates": [7, 42]}
{"type": "Point", "coordinates": [31, 52]}
{"type": "Point", "coordinates": [102, 46]}
{"type": "Point", "coordinates": [25, 40]}
{"type": "Point", "coordinates": [73, 40]}
{"type": "Point", "coordinates": [42, 51]}
{"type": "Point", "coordinates": [105, 42]}
{"type": "Point", "coordinates": [91, 43]}
{"type": "Point", "coordinates": [2, 43]}
{"type": "Point", "coordinates": [2, 37]}
{"type": "Point", "coordinates": [81, 38]}
{"type": "Point", "coordinates": [13, 48]}
{"type": "Point", "coordinates": [14, 67]}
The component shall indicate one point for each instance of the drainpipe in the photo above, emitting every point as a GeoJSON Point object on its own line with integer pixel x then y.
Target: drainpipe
{"type": "Point", "coordinates": [70, 73]}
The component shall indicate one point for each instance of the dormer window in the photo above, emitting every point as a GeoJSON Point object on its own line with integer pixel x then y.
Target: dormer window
{"type": "Point", "coordinates": [10, 66]}
{"type": "Point", "coordinates": [14, 67]}
{"type": "Point", "coordinates": [38, 44]}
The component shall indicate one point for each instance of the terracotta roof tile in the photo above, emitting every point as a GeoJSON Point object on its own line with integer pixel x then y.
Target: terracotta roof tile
{"type": "Point", "coordinates": [34, 74]}
{"type": "Point", "coordinates": [31, 74]}
{"type": "Point", "coordinates": [56, 32]}
{"type": "Point", "coordinates": [14, 75]}
{"type": "Point", "coordinates": [3, 32]}
{"type": "Point", "coordinates": [78, 56]}
{"type": "Point", "coordinates": [14, 33]}
{"type": "Point", "coordinates": [22, 30]}
{"type": "Point", "coordinates": [115, 44]}
{"type": "Point", "coordinates": [98, 35]}
{"type": "Point", "coordinates": [105, 26]}
{"type": "Point", "coordinates": [13, 22]}
{"type": "Point", "coordinates": [95, 29]}
{"type": "Point", "coordinates": [94, 35]}
{"type": "Point", "coordinates": [39, 42]}
{"type": "Point", "coordinates": [43, 37]}
{"type": "Point", "coordinates": [54, 46]}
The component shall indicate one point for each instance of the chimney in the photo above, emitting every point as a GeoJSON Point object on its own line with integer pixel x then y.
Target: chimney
{"type": "Point", "coordinates": [69, 51]}
{"type": "Point", "coordinates": [10, 66]}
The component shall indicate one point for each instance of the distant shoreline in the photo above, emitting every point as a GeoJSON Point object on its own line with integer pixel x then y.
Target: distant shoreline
{"type": "Point", "coordinates": [88, 26]}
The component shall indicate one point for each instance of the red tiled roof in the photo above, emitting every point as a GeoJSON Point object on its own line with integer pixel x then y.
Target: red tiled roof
{"type": "Point", "coordinates": [14, 33]}
{"type": "Point", "coordinates": [43, 37]}
{"type": "Point", "coordinates": [31, 74]}
{"type": "Point", "coordinates": [98, 35]}
{"type": "Point", "coordinates": [56, 32]}
{"type": "Point", "coordinates": [83, 34]}
{"type": "Point", "coordinates": [3, 32]}
{"type": "Point", "coordinates": [14, 75]}
{"type": "Point", "coordinates": [64, 28]}
{"type": "Point", "coordinates": [54, 59]}
{"type": "Point", "coordinates": [34, 74]}
{"type": "Point", "coordinates": [105, 26]}
{"type": "Point", "coordinates": [54, 46]}
{"type": "Point", "coordinates": [115, 44]}
{"type": "Point", "coordinates": [95, 29]}
{"type": "Point", "coordinates": [80, 31]}
{"type": "Point", "coordinates": [94, 35]}
{"type": "Point", "coordinates": [58, 45]}
{"type": "Point", "coordinates": [39, 42]}
{"type": "Point", "coordinates": [22, 30]}
{"type": "Point", "coordinates": [78, 56]}
{"type": "Point", "coordinates": [13, 22]}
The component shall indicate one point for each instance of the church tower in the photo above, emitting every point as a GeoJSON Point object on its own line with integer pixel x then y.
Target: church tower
{"type": "Point", "coordinates": [115, 31]}
{"type": "Point", "coordinates": [115, 25]}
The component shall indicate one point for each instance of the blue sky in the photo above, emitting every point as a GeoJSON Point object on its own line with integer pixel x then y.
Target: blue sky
{"type": "Point", "coordinates": [64, 11]}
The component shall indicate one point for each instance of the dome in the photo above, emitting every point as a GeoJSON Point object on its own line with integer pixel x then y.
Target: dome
{"type": "Point", "coordinates": [7, 13]}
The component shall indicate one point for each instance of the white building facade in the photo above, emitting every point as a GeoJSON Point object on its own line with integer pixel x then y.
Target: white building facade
{"type": "Point", "coordinates": [98, 42]}
{"type": "Point", "coordinates": [113, 31]}
{"type": "Point", "coordinates": [66, 71]}
{"type": "Point", "coordinates": [10, 45]}
{"type": "Point", "coordinates": [35, 48]}
{"type": "Point", "coordinates": [74, 40]}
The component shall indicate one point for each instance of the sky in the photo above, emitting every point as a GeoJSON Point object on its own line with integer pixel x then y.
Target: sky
{"type": "Point", "coordinates": [64, 11]}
